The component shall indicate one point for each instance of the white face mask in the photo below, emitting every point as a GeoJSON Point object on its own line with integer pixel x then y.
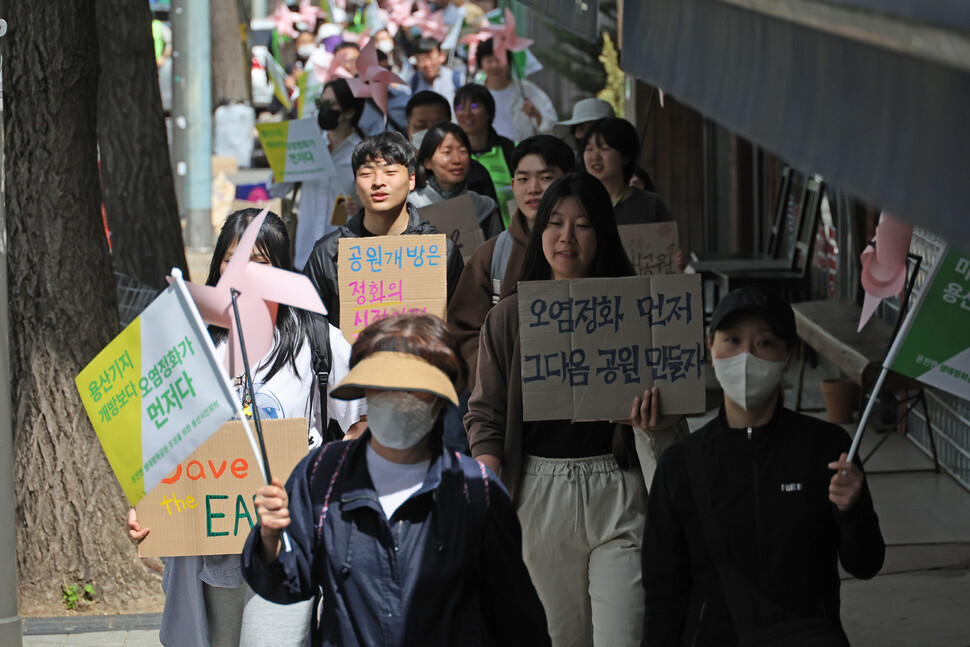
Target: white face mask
{"type": "Point", "coordinates": [748, 381]}
{"type": "Point", "coordinates": [417, 138]}
{"type": "Point", "coordinates": [398, 419]}
{"type": "Point", "coordinates": [386, 46]}
{"type": "Point", "coordinates": [304, 51]}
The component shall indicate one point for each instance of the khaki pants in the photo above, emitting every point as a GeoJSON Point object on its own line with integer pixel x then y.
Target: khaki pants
{"type": "Point", "coordinates": [582, 524]}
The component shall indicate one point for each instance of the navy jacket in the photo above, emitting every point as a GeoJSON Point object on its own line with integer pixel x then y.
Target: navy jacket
{"type": "Point", "coordinates": [446, 569]}
{"type": "Point", "coordinates": [769, 490]}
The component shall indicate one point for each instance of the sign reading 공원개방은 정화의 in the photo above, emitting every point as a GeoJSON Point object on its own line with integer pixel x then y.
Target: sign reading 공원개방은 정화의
{"type": "Point", "coordinates": [383, 276]}
{"type": "Point", "coordinates": [205, 506]}
{"type": "Point", "coordinates": [651, 247]}
{"type": "Point", "coordinates": [456, 219]}
{"type": "Point", "coordinates": [589, 346]}
{"type": "Point", "coordinates": [155, 393]}
{"type": "Point", "coordinates": [936, 350]}
{"type": "Point", "coordinates": [295, 150]}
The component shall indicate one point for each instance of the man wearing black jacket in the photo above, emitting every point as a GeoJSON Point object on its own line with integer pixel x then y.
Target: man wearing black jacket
{"type": "Point", "coordinates": [384, 168]}
{"type": "Point", "coordinates": [787, 506]}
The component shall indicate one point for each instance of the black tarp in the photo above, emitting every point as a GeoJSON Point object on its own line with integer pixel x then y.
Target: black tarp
{"type": "Point", "coordinates": [889, 127]}
{"type": "Point", "coordinates": [576, 16]}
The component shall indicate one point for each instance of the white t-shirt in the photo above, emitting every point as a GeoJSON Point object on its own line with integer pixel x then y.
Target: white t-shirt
{"type": "Point", "coordinates": [292, 395]}
{"type": "Point", "coordinates": [394, 482]}
{"type": "Point", "coordinates": [503, 111]}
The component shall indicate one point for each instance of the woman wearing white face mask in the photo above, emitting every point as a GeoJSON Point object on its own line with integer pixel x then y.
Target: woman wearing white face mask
{"type": "Point", "coordinates": [749, 517]}
{"type": "Point", "coordinates": [404, 543]}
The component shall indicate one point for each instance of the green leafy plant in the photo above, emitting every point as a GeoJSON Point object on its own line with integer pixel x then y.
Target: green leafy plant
{"type": "Point", "coordinates": [73, 594]}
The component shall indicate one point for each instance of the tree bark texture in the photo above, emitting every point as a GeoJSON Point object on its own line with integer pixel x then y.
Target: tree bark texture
{"type": "Point", "coordinates": [136, 171]}
{"type": "Point", "coordinates": [63, 309]}
{"type": "Point", "coordinates": [230, 61]}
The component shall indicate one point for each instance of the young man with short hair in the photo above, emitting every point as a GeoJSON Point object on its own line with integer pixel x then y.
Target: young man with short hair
{"type": "Point", "coordinates": [430, 72]}
{"type": "Point", "coordinates": [494, 268]}
{"type": "Point", "coordinates": [384, 167]}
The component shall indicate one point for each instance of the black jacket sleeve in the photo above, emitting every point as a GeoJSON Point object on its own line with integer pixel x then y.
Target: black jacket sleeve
{"type": "Point", "coordinates": [455, 265]}
{"type": "Point", "coordinates": [665, 558]}
{"type": "Point", "coordinates": [289, 578]}
{"type": "Point", "coordinates": [861, 546]}
{"type": "Point", "coordinates": [510, 599]}
{"type": "Point", "coordinates": [321, 268]}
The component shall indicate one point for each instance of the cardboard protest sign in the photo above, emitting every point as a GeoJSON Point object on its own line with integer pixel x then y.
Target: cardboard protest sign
{"type": "Point", "coordinates": [274, 204]}
{"type": "Point", "coordinates": [383, 276]}
{"type": "Point", "coordinates": [205, 506]}
{"type": "Point", "coordinates": [936, 351]}
{"type": "Point", "coordinates": [156, 392]}
{"type": "Point", "coordinates": [651, 247]}
{"type": "Point", "coordinates": [456, 219]}
{"type": "Point", "coordinates": [589, 346]}
{"type": "Point", "coordinates": [295, 150]}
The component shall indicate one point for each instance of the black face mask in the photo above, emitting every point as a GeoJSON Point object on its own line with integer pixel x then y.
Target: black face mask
{"type": "Point", "coordinates": [327, 117]}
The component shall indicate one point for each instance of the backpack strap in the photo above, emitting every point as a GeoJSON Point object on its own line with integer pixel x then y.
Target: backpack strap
{"type": "Point", "coordinates": [322, 366]}
{"type": "Point", "coordinates": [500, 261]}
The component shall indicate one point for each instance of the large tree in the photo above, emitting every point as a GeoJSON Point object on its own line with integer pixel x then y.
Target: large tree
{"type": "Point", "coordinates": [136, 172]}
{"type": "Point", "coordinates": [70, 507]}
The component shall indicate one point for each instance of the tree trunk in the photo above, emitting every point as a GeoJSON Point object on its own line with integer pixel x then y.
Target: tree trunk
{"type": "Point", "coordinates": [63, 309]}
{"type": "Point", "coordinates": [230, 61]}
{"type": "Point", "coordinates": [136, 172]}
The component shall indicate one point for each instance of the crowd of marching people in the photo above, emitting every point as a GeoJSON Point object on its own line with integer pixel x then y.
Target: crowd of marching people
{"type": "Point", "coordinates": [429, 511]}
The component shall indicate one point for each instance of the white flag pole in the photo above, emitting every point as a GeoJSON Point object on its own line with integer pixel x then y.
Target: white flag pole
{"type": "Point", "coordinates": [894, 349]}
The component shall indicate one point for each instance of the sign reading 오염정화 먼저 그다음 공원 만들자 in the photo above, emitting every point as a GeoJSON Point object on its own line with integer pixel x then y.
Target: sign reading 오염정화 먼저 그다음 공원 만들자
{"type": "Point", "coordinates": [456, 219]}
{"type": "Point", "coordinates": [651, 247]}
{"type": "Point", "coordinates": [295, 150]}
{"type": "Point", "coordinates": [589, 346]}
{"type": "Point", "coordinates": [205, 506]}
{"type": "Point", "coordinates": [383, 276]}
{"type": "Point", "coordinates": [936, 350]}
{"type": "Point", "coordinates": [156, 392]}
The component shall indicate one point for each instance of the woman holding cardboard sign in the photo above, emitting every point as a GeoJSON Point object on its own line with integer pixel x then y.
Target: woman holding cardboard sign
{"type": "Point", "coordinates": [444, 161]}
{"type": "Point", "coordinates": [206, 600]}
{"type": "Point", "coordinates": [404, 543]}
{"type": "Point", "coordinates": [580, 494]}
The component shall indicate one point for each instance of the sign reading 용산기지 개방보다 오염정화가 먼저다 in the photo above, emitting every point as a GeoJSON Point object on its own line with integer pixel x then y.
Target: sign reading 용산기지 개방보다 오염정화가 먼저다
{"type": "Point", "coordinates": [936, 350]}
{"type": "Point", "coordinates": [383, 276]}
{"type": "Point", "coordinates": [205, 506]}
{"type": "Point", "coordinates": [156, 392]}
{"type": "Point", "coordinates": [589, 346]}
{"type": "Point", "coordinates": [295, 150]}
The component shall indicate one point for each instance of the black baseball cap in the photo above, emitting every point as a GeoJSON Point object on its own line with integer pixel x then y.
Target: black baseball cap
{"type": "Point", "coordinates": [771, 307]}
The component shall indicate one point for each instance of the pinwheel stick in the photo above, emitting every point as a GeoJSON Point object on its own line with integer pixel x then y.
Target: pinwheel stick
{"type": "Point", "coordinates": [233, 292]}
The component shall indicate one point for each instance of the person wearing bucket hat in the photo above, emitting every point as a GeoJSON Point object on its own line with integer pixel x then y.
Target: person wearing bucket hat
{"type": "Point", "coordinates": [405, 542]}
{"type": "Point", "coordinates": [585, 112]}
{"type": "Point", "coordinates": [790, 506]}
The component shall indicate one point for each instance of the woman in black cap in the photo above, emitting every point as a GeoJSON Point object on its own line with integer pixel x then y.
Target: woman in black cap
{"type": "Point", "coordinates": [748, 518]}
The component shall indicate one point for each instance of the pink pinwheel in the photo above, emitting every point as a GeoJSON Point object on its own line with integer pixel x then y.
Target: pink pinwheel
{"type": "Point", "coordinates": [399, 13]}
{"type": "Point", "coordinates": [284, 20]}
{"type": "Point", "coordinates": [504, 37]}
{"type": "Point", "coordinates": [261, 289]}
{"type": "Point", "coordinates": [308, 13]}
{"type": "Point", "coordinates": [372, 80]}
{"type": "Point", "coordinates": [434, 26]}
